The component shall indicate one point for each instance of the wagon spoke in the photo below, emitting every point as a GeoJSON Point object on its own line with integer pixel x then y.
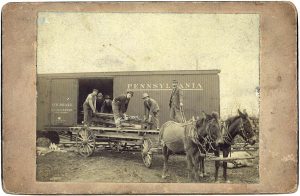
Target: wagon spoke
{"type": "Point", "coordinates": [86, 149]}
{"type": "Point", "coordinates": [85, 142]}
{"type": "Point", "coordinates": [89, 137]}
{"type": "Point", "coordinates": [91, 145]}
{"type": "Point", "coordinates": [89, 150]}
{"type": "Point", "coordinates": [80, 138]}
{"type": "Point", "coordinates": [81, 148]}
{"type": "Point", "coordinates": [146, 154]}
{"type": "Point", "coordinates": [84, 135]}
{"type": "Point", "coordinates": [147, 160]}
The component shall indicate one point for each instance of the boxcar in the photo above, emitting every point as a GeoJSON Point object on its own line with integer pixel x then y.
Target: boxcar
{"type": "Point", "coordinates": [60, 96]}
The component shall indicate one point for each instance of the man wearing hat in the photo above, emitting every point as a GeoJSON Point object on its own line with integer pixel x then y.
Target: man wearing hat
{"type": "Point", "coordinates": [106, 106]}
{"type": "Point", "coordinates": [119, 107]}
{"type": "Point", "coordinates": [89, 107]}
{"type": "Point", "coordinates": [151, 109]}
{"type": "Point", "coordinates": [176, 103]}
{"type": "Point", "coordinates": [99, 102]}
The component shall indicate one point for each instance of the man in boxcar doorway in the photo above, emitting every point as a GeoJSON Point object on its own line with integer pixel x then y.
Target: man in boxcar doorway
{"type": "Point", "coordinates": [89, 107]}
{"type": "Point", "coordinates": [106, 106]}
{"type": "Point", "coordinates": [176, 102]}
{"type": "Point", "coordinates": [119, 107]}
{"type": "Point", "coordinates": [151, 111]}
{"type": "Point", "coordinates": [99, 102]}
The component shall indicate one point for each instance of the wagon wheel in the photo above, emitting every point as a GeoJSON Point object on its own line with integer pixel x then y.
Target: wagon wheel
{"type": "Point", "coordinates": [146, 153]}
{"type": "Point", "coordinates": [85, 142]}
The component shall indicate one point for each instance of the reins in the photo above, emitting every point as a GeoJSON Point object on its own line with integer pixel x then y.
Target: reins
{"type": "Point", "coordinates": [207, 140]}
{"type": "Point", "coordinates": [227, 137]}
{"type": "Point", "coordinates": [210, 140]}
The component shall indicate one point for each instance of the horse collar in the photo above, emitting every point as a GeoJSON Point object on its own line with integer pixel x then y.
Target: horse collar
{"type": "Point", "coordinates": [242, 130]}
{"type": "Point", "coordinates": [227, 137]}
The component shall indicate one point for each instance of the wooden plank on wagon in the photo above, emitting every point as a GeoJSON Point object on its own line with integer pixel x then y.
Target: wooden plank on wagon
{"type": "Point", "coordinates": [243, 150]}
{"type": "Point", "coordinates": [228, 158]}
{"type": "Point", "coordinates": [99, 114]}
{"type": "Point", "coordinates": [119, 136]}
{"type": "Point", "coordinates": [113, 129]}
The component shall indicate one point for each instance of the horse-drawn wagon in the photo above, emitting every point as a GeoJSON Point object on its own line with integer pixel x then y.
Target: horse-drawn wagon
{"type": "Point", "coordinates": [204, 137]}
{"type": "Point", "coordinates": [134, 135]}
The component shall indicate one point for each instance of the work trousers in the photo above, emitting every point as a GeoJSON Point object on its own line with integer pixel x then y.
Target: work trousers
{"type": "Point", "coordinates": [155, 120]}
{"type": "Point", "coordinates": [175, 114]}
{"type": "Point", "coordinates": [87, 114]}
{"type": "Point", "coordinates": [117, 115]}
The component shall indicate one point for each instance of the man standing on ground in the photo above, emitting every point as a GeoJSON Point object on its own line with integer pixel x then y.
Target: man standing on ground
{"type": "Point", "coordinates": [151, 111]}
{"type": "Point", "coordinates": [176, 103]}
{"type": "Point", "coordinates": [119, 107]}
{"type": "Point", "coordinates": [89, 107]}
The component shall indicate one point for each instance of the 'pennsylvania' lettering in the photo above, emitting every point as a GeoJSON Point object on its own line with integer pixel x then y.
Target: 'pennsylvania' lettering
{"type": "Point", "coordinates": [163, 86]}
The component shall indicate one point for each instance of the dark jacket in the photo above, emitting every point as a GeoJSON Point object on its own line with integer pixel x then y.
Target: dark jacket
{"type": "Point", "coordinates": [99, 103]}
{"type": "Point", "coordinates": [122, 102]}
{"type": "Point", "coordinates": [150, 106]}
{"type": "Point", "coordinates": [106, 107]}
{"type": "Point", "coordinates": [176, 98]}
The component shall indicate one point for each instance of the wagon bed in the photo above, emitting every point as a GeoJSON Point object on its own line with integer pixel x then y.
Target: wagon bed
{"type": "Point", "coordinates": [131, 135]}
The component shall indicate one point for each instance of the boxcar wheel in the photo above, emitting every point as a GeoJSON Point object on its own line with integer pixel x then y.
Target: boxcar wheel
{"type": "Point", "coordinates": [85, 142]}
{"type": "Point", "coordinates": [146, 153]}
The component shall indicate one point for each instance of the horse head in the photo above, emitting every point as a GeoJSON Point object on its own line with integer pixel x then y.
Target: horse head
{"type": "Point", "coordinates": [246, 129]}
{"type": "Point", "coordinates": [211, 128]}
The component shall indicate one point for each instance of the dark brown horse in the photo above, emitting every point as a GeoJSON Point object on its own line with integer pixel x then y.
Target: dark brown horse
{"type": "Point", "coordinates": [237, 125]}
{"type": "Point", "coordinates": [210, 142]}
{"type": "Point", "coordinates": [188, 138]}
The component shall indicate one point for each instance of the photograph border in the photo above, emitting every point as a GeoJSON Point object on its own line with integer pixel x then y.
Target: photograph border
{"type": "Point", "coordinates": [278, 162]}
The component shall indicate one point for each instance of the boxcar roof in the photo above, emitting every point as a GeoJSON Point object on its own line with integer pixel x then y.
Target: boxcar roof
{"type": "Point", "coordinates": [133, 73]}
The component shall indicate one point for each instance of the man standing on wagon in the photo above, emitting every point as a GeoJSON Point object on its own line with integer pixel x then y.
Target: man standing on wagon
{"type": "Point", "coordinates": [119, 107]}
{"type": "Point", "coordinates": [89, 107]}
{"type": "Point", "coordinates": [176, 103]}
{"type": "Point", "coordinates": [151, 113]}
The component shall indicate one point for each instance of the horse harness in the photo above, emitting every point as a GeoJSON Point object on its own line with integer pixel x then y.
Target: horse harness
{"type": "Point", "coordinates": [228, 137]}
{"type": "Point", "coordinates": [207, 139]}
{"type": "Point", "coordinates": [192, 134]}
{"type": "Point", "coordinates": [185, 125]}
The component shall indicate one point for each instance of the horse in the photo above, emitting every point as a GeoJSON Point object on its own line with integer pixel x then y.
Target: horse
{"type": "Point", "coordinates": [210, 143]}
{"type": "Point", "coordinates": [237, 125]}
{"type": "Point", "coordinates": [189, 138]}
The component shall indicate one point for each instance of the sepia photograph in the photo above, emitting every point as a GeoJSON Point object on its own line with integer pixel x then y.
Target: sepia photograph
{"type": "Point", "coordinates": [148, 97]}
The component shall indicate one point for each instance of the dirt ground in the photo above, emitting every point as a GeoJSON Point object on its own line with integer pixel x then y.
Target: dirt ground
{"type": "Point", "coordinates": [111, 166]}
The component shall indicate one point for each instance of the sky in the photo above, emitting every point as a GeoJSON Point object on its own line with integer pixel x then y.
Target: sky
{"type": "Point", "coordinates": [96, 42]}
